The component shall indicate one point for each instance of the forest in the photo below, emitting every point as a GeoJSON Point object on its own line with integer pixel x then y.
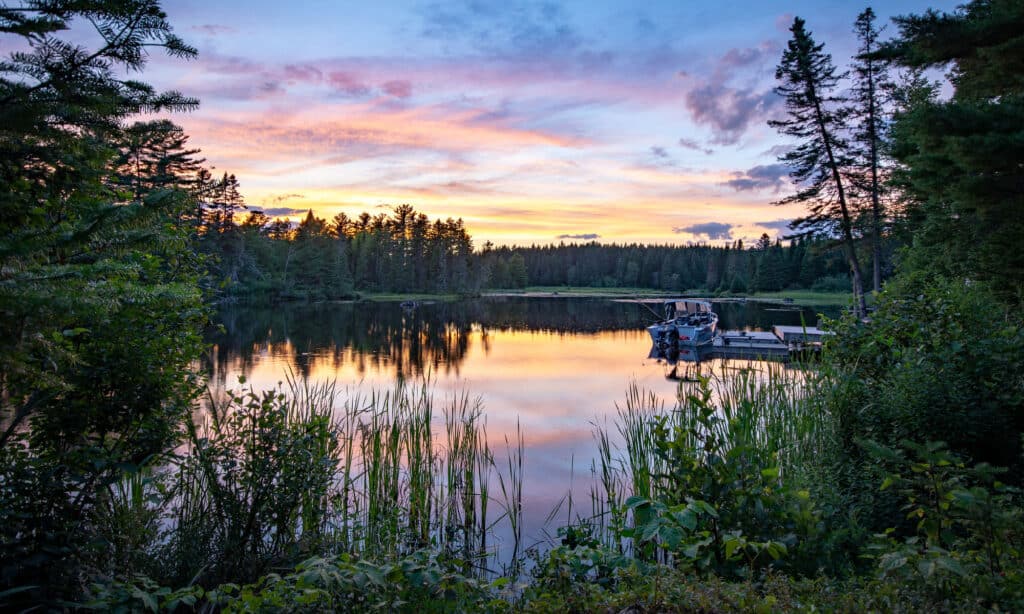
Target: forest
{"type": "Point", "coordinates": [268, 261]}
{"type": "Point", "coordinates": [885, 477]}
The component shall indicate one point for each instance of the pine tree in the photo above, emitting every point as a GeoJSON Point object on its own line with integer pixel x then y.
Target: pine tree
{"type": "Point", "coordinates": [816, 117]}
{"type": "Point", "coordinates": [870, 82]}
{"type": "Point", "coordinates": [99, 308]}
{"type": "Point", "coordinates": [154, 155]}
{"type": "Point", "coordinates": [961, 175]}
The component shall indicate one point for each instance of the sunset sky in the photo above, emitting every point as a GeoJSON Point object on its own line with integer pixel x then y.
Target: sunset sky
{"type": "Point", "coordinates": [535, 122]}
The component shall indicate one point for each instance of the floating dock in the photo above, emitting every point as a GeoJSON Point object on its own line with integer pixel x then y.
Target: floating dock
{"type": "Point", "coordinates": [800, 334]}
{"type": "Point", "coordinates": [779, 344]}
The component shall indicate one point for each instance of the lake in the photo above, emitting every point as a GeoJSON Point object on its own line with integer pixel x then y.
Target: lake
{"type": "Point", "coordinates": [553, 365]}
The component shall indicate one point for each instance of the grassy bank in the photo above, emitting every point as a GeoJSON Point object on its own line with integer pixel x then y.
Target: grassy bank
{"type": "Point", "coordinates": [806, 297]}
{"type": "Point", "coordinates": [392, 297]}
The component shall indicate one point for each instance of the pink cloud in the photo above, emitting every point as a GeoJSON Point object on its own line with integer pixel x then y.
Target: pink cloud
{"type": "Point", "coordinates": [347, 83]}
{"type": "Point", "coordinates": [398, 88]}
{"type": "Point", "coordinates": [302, 73]}
{"type": "Point", "coordinates": [343, 133]}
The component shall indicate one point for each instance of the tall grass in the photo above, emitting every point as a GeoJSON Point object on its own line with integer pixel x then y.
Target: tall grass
{"type": "Point", "coordinates": [771, 411]}
{"type": "Point", "coordinates": [269, 478]}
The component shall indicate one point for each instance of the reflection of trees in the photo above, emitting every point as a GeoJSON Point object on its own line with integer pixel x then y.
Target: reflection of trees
{"type": "Point", "coordinates": [754, 315]}
{"type": "Point", "coordinates": [434, 337]}
{"type": "Point", "coordinates": [368, 335]}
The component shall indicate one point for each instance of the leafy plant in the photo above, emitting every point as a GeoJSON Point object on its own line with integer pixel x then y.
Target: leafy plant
{"type": "Point", "coordinates": [967, 538]}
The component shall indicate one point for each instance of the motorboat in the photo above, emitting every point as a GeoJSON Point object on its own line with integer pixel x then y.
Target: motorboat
{"type": "Point", "coordinates": [687, 322]}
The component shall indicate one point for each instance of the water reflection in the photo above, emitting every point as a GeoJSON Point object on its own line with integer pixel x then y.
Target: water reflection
{"type": "Point", "coordinates": [555, 366]}
{"type": "Point", "coordinates": [383, 337]}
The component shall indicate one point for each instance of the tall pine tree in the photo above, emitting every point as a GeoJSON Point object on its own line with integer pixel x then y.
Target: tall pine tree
{"type": "Point", "coordinates": [870, 81]}
{"type": "Point", "coordinates": [816, 116]}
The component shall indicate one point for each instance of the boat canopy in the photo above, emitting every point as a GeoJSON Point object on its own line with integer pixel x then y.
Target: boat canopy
{"type": "Point", "coordinates": [690, 306]}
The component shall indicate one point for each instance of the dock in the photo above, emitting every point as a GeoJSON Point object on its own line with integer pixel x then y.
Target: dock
{"type": "Point", "coordinates": [800, 334]}
{"type": "Point", "coordinates": [781, 343]}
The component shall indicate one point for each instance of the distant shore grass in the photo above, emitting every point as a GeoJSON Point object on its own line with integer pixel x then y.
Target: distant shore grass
{"type": "Point", "coordinates": [807, 297]}
{"type": "Point", "coordinates": [804, 297]}
{"type": "Point", "coordinates": [388, 297]}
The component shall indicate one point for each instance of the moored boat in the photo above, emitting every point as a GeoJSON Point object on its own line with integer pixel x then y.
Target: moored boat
{"type": "Point", "coordinates": [687, 322]}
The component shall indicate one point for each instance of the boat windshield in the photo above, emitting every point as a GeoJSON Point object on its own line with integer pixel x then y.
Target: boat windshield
{"type": "Point", "coordinates": [691, 307]}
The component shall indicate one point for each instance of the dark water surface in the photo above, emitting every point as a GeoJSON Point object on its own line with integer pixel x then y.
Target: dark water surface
{"type": "Point", "coordinates": [555, 365]}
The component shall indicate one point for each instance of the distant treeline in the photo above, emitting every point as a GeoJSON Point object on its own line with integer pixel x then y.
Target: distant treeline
{"type": "Point", "coordinates": [766, 266]}
{"type": "Point", "coordinates": [408, 252]}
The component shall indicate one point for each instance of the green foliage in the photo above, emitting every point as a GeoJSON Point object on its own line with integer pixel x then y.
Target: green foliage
{"type": "Point", "coordinates": [831, 283]}
{"type": "Point", "coordinates": [418, 582]}
{"type": "Point", "coordinates": [98, 298]}
{"type": "Point", "coordinates": [321, 260]}
{"type": "Point", "coordinates": [661, 589]}
{"type": "Point", "coordinates": [254, 488]}
{"type": "Point", "coordinates": [572, 565]}
{"type": "Point", "coordinates": [714, 486]}
{"type": "Point", "coordinates": [722, 505]}
{"type": "Point", "coordinates": [967, 542]}
{"type": "Point", "coordinates": [961, 174]}
{"type": "Point", "coordinates": [673, 268]}
{"type": "Point", "coordinates": [939, 360]}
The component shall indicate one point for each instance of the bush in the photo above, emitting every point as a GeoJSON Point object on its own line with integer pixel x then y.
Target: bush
{"type": "Point", "coordinates": [939, 360]}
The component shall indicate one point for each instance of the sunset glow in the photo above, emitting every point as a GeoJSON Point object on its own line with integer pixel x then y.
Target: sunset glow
{"type": "Point", "coordinates": [534, 122]}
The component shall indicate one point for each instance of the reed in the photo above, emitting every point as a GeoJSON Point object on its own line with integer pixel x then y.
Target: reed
{"type": "Point", "coordinates": [770, 410]}
{"type": "Point", "coordinates": [511, 486]}
{"type": "Point", "coordinates": [268, 478]}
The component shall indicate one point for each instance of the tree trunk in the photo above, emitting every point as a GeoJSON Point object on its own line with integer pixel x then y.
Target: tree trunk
{"type": "Point", "coordinates": [876, 205]}
{"type": "Point", "coordinates": [860, 305]}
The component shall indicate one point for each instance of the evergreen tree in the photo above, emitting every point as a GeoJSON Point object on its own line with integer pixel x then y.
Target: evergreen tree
{"type": "Point", "coordinates": [816, 117]}
{"type": "Point", "coordinates": [99, 308]}
{"type": "Point", "coordinates": [154, 155]}
{"type": "Point", "coordinates": [961, 173]}
{"type": "Point", "coordinates": [517, 274]}
{"type": "Point", "coordinates": [870, 81]}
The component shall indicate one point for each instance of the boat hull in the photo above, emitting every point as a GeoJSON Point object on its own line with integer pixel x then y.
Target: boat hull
{"type": "Point", "coordinates": [671, 333]}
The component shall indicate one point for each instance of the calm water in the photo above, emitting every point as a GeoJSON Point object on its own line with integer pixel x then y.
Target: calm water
{"type": "Point", "coordinates": [555, 365]}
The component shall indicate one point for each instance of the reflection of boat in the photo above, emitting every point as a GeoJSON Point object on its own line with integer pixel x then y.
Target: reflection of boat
{"type": "Point", "coordinates": [672, 355]}
{"type": "Point", "coordinates": [687, 323]}
{"type": "Point", "coordinates": [683, 362]}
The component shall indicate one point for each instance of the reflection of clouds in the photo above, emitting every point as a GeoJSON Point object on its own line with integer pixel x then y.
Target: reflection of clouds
{"type": "Point", "coordinates": [550, 367]}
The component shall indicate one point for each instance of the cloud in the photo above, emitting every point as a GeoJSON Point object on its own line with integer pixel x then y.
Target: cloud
{"type": "Point", "coordinates": [587, 236]}
{"type": "Point", "coordinates": [759, 178]}
{"type": "Point", "coordinates": [213, 29]}
{"type": "Point", "coordinates": [659, 152]}
{"type": "Point", "coordinates": [735, 58]}
{"type": "Point", "coordinates": [695, 146]}
{"type": "Point", "coordinates": [322, 136]}
{"type": "Point", "coordinates": [397, 88]}
{"type": "Point", "coordinates": [347, 84]}
{"type": "Point", "coordinates": [523, 31]}
{"type": "Point", "coordinates": [277, 200]}
{"type": "Point", "coordinates": [712, 230]}
{"type": "Point", "coordinates": [779, 226]}
{"type": "Point", "coordinates": [279, 211]}
{"type": "Point", "coordinates": [727, 109]}
{"type": "Point", "coordinates": [304, 73]}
